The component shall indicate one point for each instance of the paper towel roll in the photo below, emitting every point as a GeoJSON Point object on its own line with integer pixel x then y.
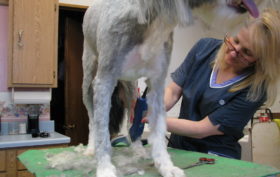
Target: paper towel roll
{"type": "Point", "coordinates": [31, 97]}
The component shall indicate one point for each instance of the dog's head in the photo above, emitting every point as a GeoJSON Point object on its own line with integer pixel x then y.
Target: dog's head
{"type": "Point", "coordinates": [237, 6]}
{"type": "Point", "coordinates": [180, 10]}
{"type": "Point", "coordinates": [227, 14]}
{"type": "Point", "coordinates": [211, 9]}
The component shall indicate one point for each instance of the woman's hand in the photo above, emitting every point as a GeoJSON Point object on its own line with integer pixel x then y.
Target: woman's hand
{"type": "Point", "coordinates": [145, 120]}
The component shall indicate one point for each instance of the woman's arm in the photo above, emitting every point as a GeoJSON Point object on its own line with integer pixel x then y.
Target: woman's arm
{"type": "Point", "coordinates": [194, 129]}
{"type": "Point", "coordinates": [172, 94]}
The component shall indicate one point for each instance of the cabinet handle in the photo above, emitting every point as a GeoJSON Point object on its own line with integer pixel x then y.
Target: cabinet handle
{"type": "Point", "coordinates": [20, 36]}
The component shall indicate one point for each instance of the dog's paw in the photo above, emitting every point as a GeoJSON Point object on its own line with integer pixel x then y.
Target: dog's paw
{"type": "Point", "coordinates": [89, 151]}
{"type": "Point", "coordinates": [173, 172]}
{"type": "Point", "coordinates": [108, 171]}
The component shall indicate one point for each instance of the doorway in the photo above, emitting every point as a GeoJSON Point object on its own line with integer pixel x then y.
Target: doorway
{"type": "Point", "coordinates": [67, 109]}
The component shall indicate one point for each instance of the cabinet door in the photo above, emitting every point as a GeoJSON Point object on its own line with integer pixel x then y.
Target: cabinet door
{"type": "Point", "coordinates": [33, 43]}
{"type": "Point", "coordinates": [3, 175]}
{"type": "Point", "coordinates": [11, 162]}
{"type": "Point", "coordinates": [2, 161]}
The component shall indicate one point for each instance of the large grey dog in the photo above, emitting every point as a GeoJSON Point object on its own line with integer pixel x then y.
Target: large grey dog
{"type": "Point", "coordinates": [126, 40]}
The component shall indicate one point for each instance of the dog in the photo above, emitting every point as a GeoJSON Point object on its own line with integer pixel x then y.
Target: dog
{"type": "Point", "coordinates": [123, 41]}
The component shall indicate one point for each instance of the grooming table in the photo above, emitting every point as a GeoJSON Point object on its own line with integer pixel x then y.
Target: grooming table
{"type": "Point", "coordinates": [35, 161]}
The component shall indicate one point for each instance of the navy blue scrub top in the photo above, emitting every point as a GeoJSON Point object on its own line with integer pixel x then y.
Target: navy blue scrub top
{"type": "Point", "coordinates": [231, 110]}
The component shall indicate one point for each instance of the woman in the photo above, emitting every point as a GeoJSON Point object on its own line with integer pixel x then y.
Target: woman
{"type": "Point", "coordinates": [222, 84]}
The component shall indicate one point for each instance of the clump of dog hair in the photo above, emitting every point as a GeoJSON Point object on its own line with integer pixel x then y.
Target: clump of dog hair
{"type": "Point", "coordinates": [76, 160]}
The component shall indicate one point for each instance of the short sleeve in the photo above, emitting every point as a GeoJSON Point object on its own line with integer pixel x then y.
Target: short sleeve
{"type": "Point", "coordinates": [179, 75]}
{"type": "Point", "coordinates": [203, 50]}
{"type": "Point", "coordinates": [234, 116]}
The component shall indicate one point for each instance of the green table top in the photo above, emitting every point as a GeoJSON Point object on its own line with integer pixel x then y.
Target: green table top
{"type": "Point", "coordinates": [36, 162]}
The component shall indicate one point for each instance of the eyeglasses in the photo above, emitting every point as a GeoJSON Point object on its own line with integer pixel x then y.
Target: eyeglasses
{"type": "Point", "coordinates": [244, 54]}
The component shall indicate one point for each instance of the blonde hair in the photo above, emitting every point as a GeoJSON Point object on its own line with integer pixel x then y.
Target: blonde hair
{"type": "Point", "coordinates": [265, 35]}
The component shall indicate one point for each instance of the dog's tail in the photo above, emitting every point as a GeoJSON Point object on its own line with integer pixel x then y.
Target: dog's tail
{"type": "Point", "coordinates": [121, 103]}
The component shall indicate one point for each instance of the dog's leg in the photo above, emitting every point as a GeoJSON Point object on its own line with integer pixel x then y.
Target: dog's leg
{"type": "Point", "coordinates": [103, 86]}
{"type": "Point", "coordinates": [157, 116]}
{"type": "Point", "coordinates": [157, 125]}
{"type": "Point", "coordinates": [89, 70]}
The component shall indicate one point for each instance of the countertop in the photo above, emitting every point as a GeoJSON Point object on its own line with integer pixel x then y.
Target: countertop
{"type": "Point", "coordinates": [25, 140]}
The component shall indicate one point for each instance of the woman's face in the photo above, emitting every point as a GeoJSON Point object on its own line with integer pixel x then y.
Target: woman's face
{"type": "Point", "coordinates": [239, 53]}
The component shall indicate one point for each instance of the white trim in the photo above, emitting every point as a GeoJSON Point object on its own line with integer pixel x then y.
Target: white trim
{"type": "Point", "coordinates": [211, 85]}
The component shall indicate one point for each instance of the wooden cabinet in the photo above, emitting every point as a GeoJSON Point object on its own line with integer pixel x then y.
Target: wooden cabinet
{"type": "Point", "coordinates": [2, 162]}
{"type": "Point", "coordinates": [33, 27]}
{"type": "Point", "coordinates": [11, 167]}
